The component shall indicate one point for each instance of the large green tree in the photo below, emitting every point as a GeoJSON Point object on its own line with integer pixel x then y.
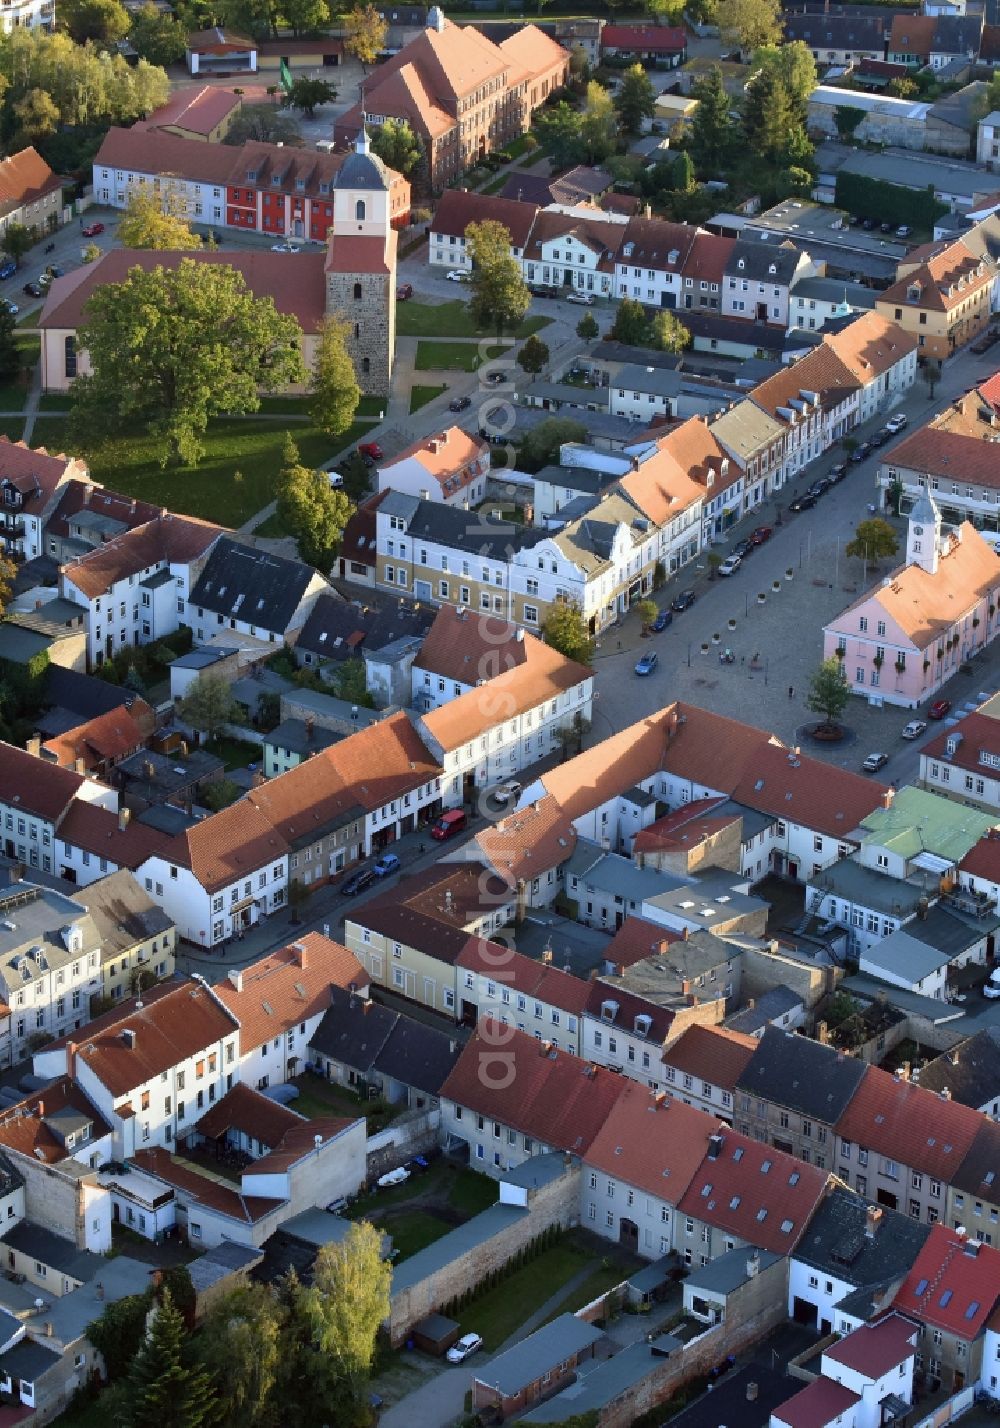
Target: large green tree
{"type": "Point", "coordinates": [769, 119]}
{"type": "Point", "coordinates": [307, 94]}
{"type": "Point", "coordinates": [533, 356]}
{"type": "Point", "coordinates": [631, 324]}
{"type": "Point", "coordinates": [158, 37]}
{"type": "Point", "coordinates": [171, 347]}
{"type": "Point", "coordinates": [10, 352]}
{"type": "Point", "coordinates": [150, 222]}
{"type": "Point", "coordinates": [239, 1345]}
{"type": "Point", "coordinates": [668, 333]}
{"type": "Point", "coordinates": [306, 17]}
{"type": "Point", "coordinates": [560, 132]}
{"type": "Point", "coordinates": [794, 64]}
{"type": "Point", "coordinates": [828, 691]}
{"type": "Point", "coordinates": [398, 146]}
{"type": "Point", "coordinates": [17, 240]}
{"type": "Point", "coordinates": [874, 540]}
{"type": "Point", "coordinates": [164, 1388]}
{"type": "Point", "coordinates": [351, 1282]}
{"type": "Point", "coordinates": [209, 705]}
{"type": "Point", "coordinates": [36, 115]}
{"type": "Point", "coordinates": [598, 124]}
{"type": "Point", "coordinates": [636, 99]}
{"type": "Point", "coordinates": [103, 21]}
{"type": "Point", "coordinates": [540, 446]}
{"type": "Point", "coordinates": [565, 629]}
{"type": "Point", "coordinates": [89, 88]}
{"type": "Point", "coordinates": [333, 382]}
{"type": "Point", "coordinates": [312, 510]}
{"type": "Point", "coordinates": [750, 24]}
{"type": "Point", "coordinates": [499, 296]}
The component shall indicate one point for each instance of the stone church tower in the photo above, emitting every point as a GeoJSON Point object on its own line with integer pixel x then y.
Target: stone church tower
{"type": "Point", "coordinates": [361, 266]}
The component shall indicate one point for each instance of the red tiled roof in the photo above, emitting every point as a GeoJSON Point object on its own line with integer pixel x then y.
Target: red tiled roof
{"type": "Point", "coordinates": [288, 987]}
{"type": "Point", "coordinates": [808, 791]}
{"type": "Point", "coordinates": [25, 177]}
{"type": "Point", "coordinates": [111, 736]}
{"type": "Point", "coordinates": [36, 474]}
{"type": "Point", "coordinates": [457, 208]}
{"type": "Point", "coordinates": [97, 830]}
{"type": "Point", "coordinates": [710, 1053]}
{"type": "Point", "coordinates": [819, 1403]}
{"type": "Point", "coordinates": [36, 785]}
{"type": "Point", "coordinates": [937, 280]}
{"type": "Point", "coordinates": [912, 34]}
{"type": "Point", "coordinates": [539, 980]}
{"type": "Point", "coordinates": [636, 940]}
{"type": "Point", "coordinates": [527, 843]}
{"type": "Point", "coordinates": [244, 1109]}
{"type": "Point", "coordinates": [81, 495]}
{"type": "Point", "coordinates": [23, 1127]}
{"type": "Point", "coordinates": [557, 1099]}
{"type": "Point", "coordinates": [199, 110]}
{"type": "Point", "coordinates": [707, 258]}
{"type": "Point", "coordinates": [821, 373]}
{"type": "Point", "coordinates": [762, 1195]}
{"type": "Point", "coordinates": [870, 345]}
{"type": "Point", "coordinates": [297, 1142]}
{"type": "Point", "coordinates": [979, 733]}
{"type": "Point", "coordinates": [983, 860]}
{"type": "Point", "coordinates": [358, 253]}
{"type": "Point", "coordinates": [652, 1142]}
{"type": "Point", "coordinates": [466, 648]}
{"type": "Point", "coordinates": [217, 42]}
{"type": "Point", "coordinates": [915, 1127]}
{"type": "Point", "coordinates": [684, 828]}
{"type": "Point", "coordinates": [953, 1285]}
{"type": "Point", "coordinates": [212, 1194]}
{"type": "Point", "coordinates": [166, 1030]}
{"type": "Point", "coordinates": [174, 539]}
{"type": "Point", "coordinates": [435, 910]}
{"type": "Point", "coordinates": [875, 1349]}
{"type": "Point", "coordinates": [232, 844]}
{"type": "Point", "coordinates": [664, 39]}
{"type": "Point", "coordinates": [952, 454]}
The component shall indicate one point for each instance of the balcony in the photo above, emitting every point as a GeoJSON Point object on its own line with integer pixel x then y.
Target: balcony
{"type": "Point", "coordinates": [11, 527]}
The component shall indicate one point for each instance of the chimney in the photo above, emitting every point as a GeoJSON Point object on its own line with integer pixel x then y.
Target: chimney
{"type": "Point", "coordinates": [714, 1147]}
{"type": "Point", "coordinates": [88, 491]}
{"type": "Point", "coordinates": [41, 1110]}
{"type": "Point", "coordinates": [953, 1056]}
{"type": "Point", "coordinates": [309, 729]}
{"type": "Point", "coordinates": [544, 1047]}
{"type": "Point", "coordinates": [946, 1093]}
{"type": "Point", "coordinates": [887, 798]}
{"type": "Point", "coordinates": [660, 1098]}
{"type": "Point", "coordinates": [48, 1328]}
{"type": "Point", "coordinates": [80, 765]}
{"type": "Point", "coordinates": [34, 746]}
{"type": "Point", "coordinates": [124, 814]}
{"type": "Point", "coordinates": [71, 1059]}
{"type": "Point", "coordinates": [873, 1218]}
{"type": "Point", "coordinates": [753, 1268]}
{"type": "Point", "coordinates": [751, 1393]}
{"type": "Point", "coordinates": [367, 1005]}
{"type": "Point", "coordinates": [128, 1036]}
{"type": "Point", "coordinates": [301, 955]}
{"type": "Point", "coordinates": [904, 1071]}
{"type": "Point", "coordinates": [236, 977]}
{"type": "Point", "coordinates": [823, 1033]}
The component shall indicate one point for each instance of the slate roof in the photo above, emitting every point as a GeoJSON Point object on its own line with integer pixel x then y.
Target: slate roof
{"type": "Point", "coordinates": [979, 1172]}
{"type": "Point", "coordinates": [337, 629]}
{"type": "Point", "coordinates": [28, 1360]}
{"type": "Point", "coordinates": [768, 1007]}
{"type": "Point", "coordinates": [446, 525]}
{"type": "Point", "coordinates": [123, 912]}
{"type": "Point", "coordinates": [539, 1354]}
{"type": "Point", "coordinates": [371, 1038]}
{"type": "Point", "coordinates": [970, 1071]}
{"type": "Point", "coordinates": [790, 1070]}
{"type": "Point", "coordinates": [255, 586]}
{"type": "Point", "coordinates": [82, 694]}
{"type": "Point", "coordinates": [753, 258]}
{"type": "Point", "coordinates": [37, 1242]}
{"type": "Point", "coordinates": [836, 1241]}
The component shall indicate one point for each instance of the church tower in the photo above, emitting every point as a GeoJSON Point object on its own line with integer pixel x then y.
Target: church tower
{"type": "Point", "coordinates": [361, 266]}
{"type": "Point", "coordinates": [923, 533]}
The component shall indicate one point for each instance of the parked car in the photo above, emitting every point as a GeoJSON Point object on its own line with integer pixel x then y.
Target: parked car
{"type": "Point", "coordinates": [663, 619]}
{"type": "Point", "coordinates": [861, 453]}
{"type": "Point", "coordinates": [897, 423]}
{"type": "Point", "coordinates": [939, 708]}
{"type": "Point", "coordinates": [647, 662]}
{"type": "Point", "coordinates": [837, 473]}
{"type": "Point", "coordinates": [819, 487]}
{"type": "Point", "coordinates": [584, 299]}
{"type": "Point", "coordinates": [92, 230]}
{"type": "Point", "coordinates": [743, 548]}
{"type": "Point", "coordinates": [682, 602]}
{"type": "Point", "coordinates": [33, 290]}
{"type": "Point", "coordinates": [370, 451]}
{"type": "Point", "coordinates": [459, 404]}
{"type": "Point", "coordinates": [449, 824]}
{"type": "Point", "coordinates": [541, 290]}
{"type": "Point", "coordinates": [8, 268]}
{"type": "Point", "coordinates": [284, 248]}
{"type": "Point", "coordinates": [903, 231]}
{"type": "Point", "coordinates": [357, 882]}
{"type": "Point", "coordinates": [454, 276]}
{"type": "Point", "coordinates": [385, 865]}
{"type": "Point", "coordinates": [879, 438]}
{"type": "Point", "coordinates": [11, 307]}
{"type": "Point", "coordinates": [335, 479]}
{"type": "Point", "coordinates": [55, 271]}
{"type": "Point", "coordinates": [989, 337]}
{"type": "Point", "coordinates": [874, 762]}
{"type": "Point", "coordinates": [730, 565]}
{"type": "Point", "coordinates": [504, 793]}
{"type": "Point", "coordinates": [393, 1177]}
{"type": "Point", "coordinates": [914, 729]}
{"type": "Point", "coordinates": [991, 987]}
{"type": "Point", "coordinates": [404, 292]}
{"type": "Point", "coordinates": [461, 1350]}
{"type": "Point", "coordinates": [802, 503]}
{"type": "Point", "coordinates": [760, 535]}
{"type": "Point", "coordinates": [868, 224]}
{"type": "Point", "coordinates": [496, 379]}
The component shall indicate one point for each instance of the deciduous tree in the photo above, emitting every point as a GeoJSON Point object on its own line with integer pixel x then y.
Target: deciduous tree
{"type": "Point", "coordinates": [152, 222]}
{"type": "Point", "coordinates": [540, 446]}
{"type": "Point", "coordinates": [631, 324]}
{"type": "Point", "coordinates": [713, 132]}
{"type": "Point", "coordinates": [598, 124]}
{"type": "Point", "coordinates": [750, 23]}
{"type": "Point", "coordinates": [10, 353]}
{"type": "Point", "coordinates": [8, 571]}
{"type": "Point", "coordinates": [17, 240]}
{"type": "Point", "coordinates": [209, 705]}
{"type": "Point", "coordinates": [398, 146]}
{"type": "Point", "coordinates": [794, 65]}
{"type": "Point", "coordinates": [560, 132]}
{"type": "Point", "coordinates": [334, 382]}
{"type": "Point", "coordinates": [239, 1346]}
{"type": "Point", "coordinates": [587, 327]}
{"type": "Point", "coordinates": [668, 333]}
{"type": "Point", "coordinates": [314, 512]}
{"type": "Point", "coordinates": [636, 99]}
{"type": "Point", "coordinates": [828, 691]}
{"type": "Point", "coordinates": [36, 115]}
{"type": "Point", "coordinates": [499, 296]}
{"type": "Point", "coordinates": [156, 36]}
{"type": "Point", "coordinates": [365, 33]}
{"type": "Point", "coordinates": [308, 94]}
{"type": "Point", "coordinates": [565, 629]}
{"type": "Point", "coordinates": [103, 21]}
{"type": "Point", "coordinates": [534, 355]}
{"type": "Point", "coordinates": [351, 1283]}
{"type": "Point", "coordinates": [306, 17]}
{"type": "Point", "coordinates": [874, 540]}
{"type": "Point", "coordinates": [170, 348]}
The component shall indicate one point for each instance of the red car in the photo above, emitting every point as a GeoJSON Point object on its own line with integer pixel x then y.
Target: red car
{"type": "Point", "coordinates": [92, 230]}
{"type": "Point", "coordinates": [939, 708]}
{"type": "Point", "coordinates": [404, 292]}
{"type": "Point", "coordinates": [760, 535]}
{"type": "Point", "coordinates": [370, 450]}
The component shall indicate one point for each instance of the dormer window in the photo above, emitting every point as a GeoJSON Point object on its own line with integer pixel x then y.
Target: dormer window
{"type": "Point", "coordinates": [275, 180]}
{"type": "Point", "coordinates": [300, 185]}
{"type": "Point", "coordinates": [251, 175]}
{"type": "Point", "coordinates": [628, 250]}
{"type": "Point", "coordinates": [324, 187]}
{"type": "Point", "coordinates": [773, 268]}
{"type": "Point", "coordinates": [741, 263]}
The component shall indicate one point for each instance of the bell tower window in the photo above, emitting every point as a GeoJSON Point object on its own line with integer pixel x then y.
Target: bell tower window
{"type": "Point", "coordinates": [359, 210]}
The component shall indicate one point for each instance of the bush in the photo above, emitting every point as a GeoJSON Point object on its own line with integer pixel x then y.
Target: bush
{"type": "Point", "coordinates": [874, 198]}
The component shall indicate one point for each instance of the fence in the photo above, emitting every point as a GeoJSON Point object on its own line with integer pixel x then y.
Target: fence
{"type": "Point", "coordinates": [948, 1411]}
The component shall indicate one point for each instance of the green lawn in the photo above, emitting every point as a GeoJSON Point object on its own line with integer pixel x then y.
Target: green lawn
{"type": "Point", "coordinates": [519, 146]}
{"type": "Point", "coordinates": [128, 464]}
{"type": "Point", "coordinates": [497, 1313]}
{"type": "Point", "coordinates": [413, 1230]}
{"type": "Point", "coordinates": [453, 356]}
{"type": "Point", "coordinates": [54, 402]}
{"type": "Point", "coordinates": [495, 184]}
{"type": "Point", "coordinates": [236, 752]}
{"type": "Point", "coordinates": [603, 1278]}
{"type": "Point", "coordinates": [450, 319]}
{"type": "Point", "coordinates": [14, 394]}
{"type": "Point", "coordinates": [461, 1190]}
{"type": "Point", "coordinates": [420, 396]}
{"type": "Point", "coordinates": [13, 427]}
{"type": "Point", "coordinates": [271, 529]}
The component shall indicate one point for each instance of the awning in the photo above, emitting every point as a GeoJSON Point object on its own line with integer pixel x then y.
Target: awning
{"type": "Point", "coordinates": [931, 863]}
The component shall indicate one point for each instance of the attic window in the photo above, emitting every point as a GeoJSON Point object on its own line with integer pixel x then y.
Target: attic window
{"type": "Point", "coordinates": [759, 785]}
{"type": "Point", "coordinates": [734, 1202]}
{"type": "Point", "coordinates": [738, 1153]}
{"type": "Point", "coordinates": [706, 1190]}
{"type": "Point", "coordinates": [786, 1227]}
{"type": "Point", "coordinates": [922, 1287]}
{"type": "Point", "coordinates": [945, 1299]}
{"type": "Point", "coordinates": [765, 1167]}
{"type": "Point", "coordinates": [762, 1215]}
{"type": "Point", "coordinates": [972, 1310]}
{"type": "Point", "coordinates": [793, 1179]}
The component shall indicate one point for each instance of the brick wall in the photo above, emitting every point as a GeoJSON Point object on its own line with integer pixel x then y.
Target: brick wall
{"type": "Point", "coordinates": [52, 1199]}
{"type": "Point", "coordinates": [751, 1312]}
{"type": "Point", "coordinates": [764, 970]}
{"type": "Point", "coordinates": [557, 1203]}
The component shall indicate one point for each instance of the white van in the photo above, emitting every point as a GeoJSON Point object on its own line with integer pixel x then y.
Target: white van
{"type": "Point", "coordinates": [335, 479]}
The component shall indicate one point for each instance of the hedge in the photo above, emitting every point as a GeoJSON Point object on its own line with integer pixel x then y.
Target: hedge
{"type": "Point", "coordinates": [888, 202]}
